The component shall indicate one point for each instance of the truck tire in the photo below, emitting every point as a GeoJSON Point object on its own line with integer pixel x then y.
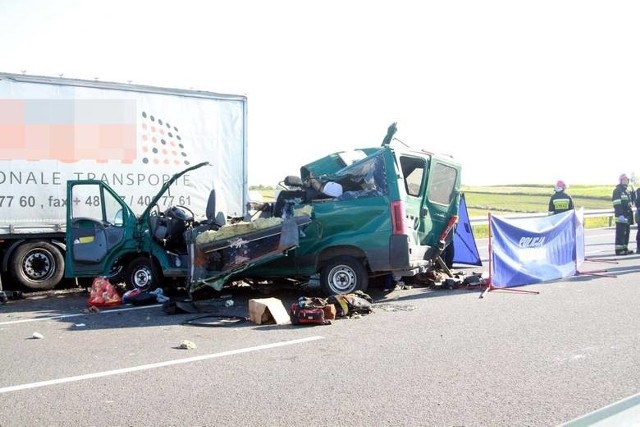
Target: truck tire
{"type": "Point", "coordinates": [343, 275]}
{"type": "Point", "coordinates": [141, 274]}
{"type": "Point", "coordinates": [37, 265]}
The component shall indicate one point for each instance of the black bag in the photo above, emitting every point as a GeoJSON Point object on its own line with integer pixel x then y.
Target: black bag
{"type": "Point", "coordinates": [143, 298]}
{"type": "Point", "coordinates": [354, 303]}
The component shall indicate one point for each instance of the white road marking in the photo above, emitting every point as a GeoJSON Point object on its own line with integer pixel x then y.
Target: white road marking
{"type": "Point", "coordinates": [155, 365]}
{"type": "Point", "coordinates": [66, 316]}
{"type": "Point", "coordinates": [625, 412]}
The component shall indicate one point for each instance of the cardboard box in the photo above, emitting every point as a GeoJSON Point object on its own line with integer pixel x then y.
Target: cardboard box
{"type": "Point", "coordinates": [268, 311]}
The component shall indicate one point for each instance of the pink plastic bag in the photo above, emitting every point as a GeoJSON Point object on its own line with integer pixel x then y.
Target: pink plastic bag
{"type": "Point", "coordinates": [103, 294]}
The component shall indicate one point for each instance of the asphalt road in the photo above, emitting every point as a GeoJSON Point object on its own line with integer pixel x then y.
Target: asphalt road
{"type": "Point", "coordinates": [424, 357]}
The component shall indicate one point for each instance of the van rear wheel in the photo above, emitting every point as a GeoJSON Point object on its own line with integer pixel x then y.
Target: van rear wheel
{"type": "Point", "coordinates": [343, 275]}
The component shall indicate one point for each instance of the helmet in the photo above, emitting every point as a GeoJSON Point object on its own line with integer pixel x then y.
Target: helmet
{"type": "Point", "coordinates": [623, 177]}
{"type": "Point", "coordinates": [560, 184]}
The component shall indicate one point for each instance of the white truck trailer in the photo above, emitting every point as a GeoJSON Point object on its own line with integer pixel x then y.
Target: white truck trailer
{"type": "Point", "coordinates": [131, 136]}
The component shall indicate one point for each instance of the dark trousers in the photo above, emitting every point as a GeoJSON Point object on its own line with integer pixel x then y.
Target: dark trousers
{"type": "Point", "coordinates": [622, 236]}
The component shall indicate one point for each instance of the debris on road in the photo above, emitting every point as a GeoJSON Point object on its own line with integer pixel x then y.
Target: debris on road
{"type": "Point", "coordinates": [187, 345]}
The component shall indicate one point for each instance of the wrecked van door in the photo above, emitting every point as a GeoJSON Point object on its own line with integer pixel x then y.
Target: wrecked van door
{"type": "Point", "coordinates": [104, 237]}
{"type": "Point", "coordinates": [99, 226]}
{"type": "Point", "coordinates": [432, 198]}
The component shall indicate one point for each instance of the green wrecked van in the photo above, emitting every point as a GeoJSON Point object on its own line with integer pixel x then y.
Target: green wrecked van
{"type": "Point", "coordinates": [371, 213]}
{"type": "Point", "coordinates": [385, 211]}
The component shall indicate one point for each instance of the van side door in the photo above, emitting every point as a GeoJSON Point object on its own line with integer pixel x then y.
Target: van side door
{"type": "Point", "coordinates": [414, 170]}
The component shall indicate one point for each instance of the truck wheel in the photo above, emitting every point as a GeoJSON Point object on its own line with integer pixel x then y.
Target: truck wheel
{"type": "Point", "coordinates": [343, 275]}
{"type": "Point", "coordinates": [141, 274]}
{"type": "Point", "coordinates": [37, 265]}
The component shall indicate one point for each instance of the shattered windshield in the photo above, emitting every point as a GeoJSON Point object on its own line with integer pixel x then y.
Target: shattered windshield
{"type": "Point", "coordinates": [366, 178]}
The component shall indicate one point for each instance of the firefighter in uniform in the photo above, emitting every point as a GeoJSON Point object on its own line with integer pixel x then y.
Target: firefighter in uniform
{"type": "Point", "coordinates": [622, 199]}
{"type": "Point", "coordinates": [560, 201]}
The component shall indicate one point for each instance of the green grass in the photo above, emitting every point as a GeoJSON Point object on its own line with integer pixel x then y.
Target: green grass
{"type": "Point", "coordinates": [529, 199]}
{"type": "Point", "coordinates": [479, 204]}
{"type": "Point", "coordinates": [582, 191]}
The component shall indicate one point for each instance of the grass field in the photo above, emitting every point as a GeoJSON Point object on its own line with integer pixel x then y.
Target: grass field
{"type": "Point", "coordinates": [530, 198]}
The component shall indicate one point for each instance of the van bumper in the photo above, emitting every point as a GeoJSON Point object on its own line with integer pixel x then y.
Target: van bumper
{"type": "Point", "coordinates": [407, 259]}
{"type": "Point", "coordinates": [403, 254]}
{"type": "Point", "coordinates": [399, 251]}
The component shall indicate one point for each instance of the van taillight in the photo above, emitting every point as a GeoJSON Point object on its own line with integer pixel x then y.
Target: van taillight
{"type": "Point", "coordinates": [397, 218]}
{"type": "Point", "coordinates": [450, 224]}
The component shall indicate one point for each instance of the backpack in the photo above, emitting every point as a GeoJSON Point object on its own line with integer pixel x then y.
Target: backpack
{"type": "Point", "coordinates": [354, 303]}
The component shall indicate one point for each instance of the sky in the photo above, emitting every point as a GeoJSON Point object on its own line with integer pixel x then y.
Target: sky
{"type": "Point", "coordinates": [519, 92]}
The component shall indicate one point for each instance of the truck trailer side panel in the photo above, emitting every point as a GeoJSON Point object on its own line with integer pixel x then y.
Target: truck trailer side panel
{"type": "Point", "coordinates": [133, 137]}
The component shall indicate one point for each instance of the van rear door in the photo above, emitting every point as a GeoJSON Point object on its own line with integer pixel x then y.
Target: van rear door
{"type": "Point", "coordinates": [432, 188]}
{"type": "Point", "coordinates": [441, 199]}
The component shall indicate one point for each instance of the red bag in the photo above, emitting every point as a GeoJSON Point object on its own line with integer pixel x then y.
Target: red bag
{"type": "Point", "coordinates": [308, 316]}
{"type": "Point", "coordinates": [103, 294]}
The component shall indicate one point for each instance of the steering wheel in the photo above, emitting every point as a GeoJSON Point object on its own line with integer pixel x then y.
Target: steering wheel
{"type": "Point", "coordinates": [188, 211]}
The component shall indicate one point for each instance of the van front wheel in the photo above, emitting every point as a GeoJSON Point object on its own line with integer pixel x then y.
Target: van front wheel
{"type": "Point", "coordinates": [141, 275]}
{"type": "Point", "coordinates": [343, 275]}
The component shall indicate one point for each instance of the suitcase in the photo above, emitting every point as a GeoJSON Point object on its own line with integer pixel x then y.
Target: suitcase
{"type": "Point", "coordinates": [308, 316]}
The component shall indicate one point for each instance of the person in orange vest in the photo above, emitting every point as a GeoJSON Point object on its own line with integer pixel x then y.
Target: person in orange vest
{"type": "Point", "coordinates": [622, 199]}
{"type": "Point", "coordinates": [560, 201]}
